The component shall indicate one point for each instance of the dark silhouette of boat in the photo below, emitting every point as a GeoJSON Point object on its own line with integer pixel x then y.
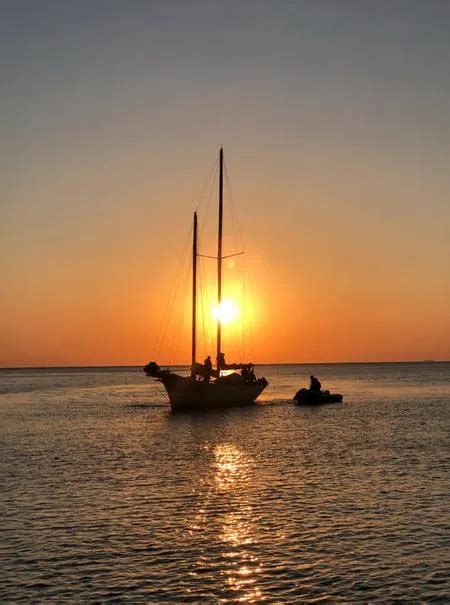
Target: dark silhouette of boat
{"type": "Point", "coordinates": [188, 393]}
{"type": "Point", "coordinates": [308, 397]}
{"type": "Point", "coordinates": [207, 388]}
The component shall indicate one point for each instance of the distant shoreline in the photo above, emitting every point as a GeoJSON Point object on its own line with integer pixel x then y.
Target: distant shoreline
{"type": "Point", "coordinates": [295, 363]}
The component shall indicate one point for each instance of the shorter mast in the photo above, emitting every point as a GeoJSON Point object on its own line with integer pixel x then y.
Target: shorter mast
{"type": "Point", "coordinates": [194, 296]}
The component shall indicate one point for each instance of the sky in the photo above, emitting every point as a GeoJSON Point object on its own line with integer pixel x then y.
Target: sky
{"type": "Point", "coordinates": [335, 122]}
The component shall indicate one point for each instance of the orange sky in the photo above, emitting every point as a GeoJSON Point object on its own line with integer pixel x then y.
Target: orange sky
{"type": "Point", "coordinates": [336, 138]}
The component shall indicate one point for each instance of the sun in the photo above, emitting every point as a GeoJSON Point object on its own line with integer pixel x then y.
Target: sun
{"type": "Point", "coordinates": [226, 312]}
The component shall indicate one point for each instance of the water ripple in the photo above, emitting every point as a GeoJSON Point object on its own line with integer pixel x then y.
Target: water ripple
{"type": "Point", "coordinates": [107, 498]}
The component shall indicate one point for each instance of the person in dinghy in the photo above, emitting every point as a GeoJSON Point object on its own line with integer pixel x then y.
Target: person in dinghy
{"type": "Point", "coordinates": [314, 395]}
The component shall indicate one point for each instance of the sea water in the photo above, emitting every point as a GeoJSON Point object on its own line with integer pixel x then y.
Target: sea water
{"type": "Point", "coordinates": [107, 497]}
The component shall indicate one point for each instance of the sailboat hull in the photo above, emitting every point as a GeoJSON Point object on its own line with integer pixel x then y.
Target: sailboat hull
{"type": "Point", "coordinates": [186, 394]}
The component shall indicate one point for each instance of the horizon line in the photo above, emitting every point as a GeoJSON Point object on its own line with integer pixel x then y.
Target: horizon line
{"type": "Point", "coordinates": [179, 365]}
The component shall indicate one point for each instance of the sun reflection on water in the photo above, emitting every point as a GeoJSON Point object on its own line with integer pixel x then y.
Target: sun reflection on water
{"type": "Point", "coordinates": [231, 467]}
{"type": "Point", "coordinates": [232, 477]}
{"type": "Point", "coordinates": [226, 510]}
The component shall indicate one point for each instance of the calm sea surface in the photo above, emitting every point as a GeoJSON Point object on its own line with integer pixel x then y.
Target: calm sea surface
{"type": "Point", "coordinates": [107, 497]}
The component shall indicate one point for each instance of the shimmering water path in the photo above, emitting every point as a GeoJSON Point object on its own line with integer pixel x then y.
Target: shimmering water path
{"type": "Point", "coordinates": [105, 497]}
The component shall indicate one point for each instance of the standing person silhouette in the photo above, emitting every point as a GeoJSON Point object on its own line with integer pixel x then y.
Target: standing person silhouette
{"type": "Point", "coordinates": [221, 364]}
{"type": "Point", "coordinates": [208, 368]}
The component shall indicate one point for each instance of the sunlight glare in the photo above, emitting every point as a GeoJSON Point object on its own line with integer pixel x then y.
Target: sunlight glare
{"type": "Point", "coordinates": [226, 312]}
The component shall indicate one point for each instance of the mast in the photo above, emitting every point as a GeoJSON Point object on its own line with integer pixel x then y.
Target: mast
{"type": "Point", "coordinates": [194, 295]}
{"type": "Point", "coordinates": [219, 255]}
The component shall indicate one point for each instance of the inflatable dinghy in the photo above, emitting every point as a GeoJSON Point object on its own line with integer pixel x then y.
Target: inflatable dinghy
{"type": "Point", "coordinates": [307, 397]}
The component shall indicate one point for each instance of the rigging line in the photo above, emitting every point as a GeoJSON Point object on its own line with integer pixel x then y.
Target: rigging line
{"type": "Point", "coordinates": [184, 315]}
{"type": "Point", "coordinates": [226, 256]}
{"type": "Point", "coordinates": [178, 333]}
{"type": "Point", "coordinates": [205, 213]}
{"type": "Point", "coordinates": [208, 194]}
{"type": "Point", "coordinates": [243, 317]}
{"type": "Point", "coordinates": [169, 309]}
{"type": "Point", "coordinates": [202, 305]}
{"type": "Point", "coordinates": [209, 342]}
{"type": "Point", "coordinates": [199, 307]}
{"type": "Point", "coordinates": [210, 179]}
{"type": "Point", "coordinates": [243, 333]}
{"type": "Point", "coordinates": [167, 316]}
{"type": "Point", "coordinates": [244, 298]}
{"type": "Point", "coordinates": [209, 197]}
{"type": "Point", "coordinates": [205, 303]}
{"type": "Point", "coordinates": [235, 254]}
{"type": "Point", "coordinates": [173, 338]}
{"type": "Point", "coordinates": [180, 339]}
{"type": "Point", "coordinates": [233, 207]}
{"type": "Point", "coordinates": [239, 244]}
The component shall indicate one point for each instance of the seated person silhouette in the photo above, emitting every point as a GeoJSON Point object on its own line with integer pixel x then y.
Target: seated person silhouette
{"type": "Point", "coordinates": [315, 385]}
{"type": "Point", "coordinates": [248, 373]}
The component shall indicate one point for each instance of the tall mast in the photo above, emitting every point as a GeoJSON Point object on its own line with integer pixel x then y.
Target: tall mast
{"type": "Point", "coordinates": [219, 255]}
{"type": "Point", "coordinates": [194, 295]}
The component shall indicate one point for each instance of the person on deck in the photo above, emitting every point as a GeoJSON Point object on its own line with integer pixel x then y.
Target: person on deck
{"type": "Point", "coordinates": [208, 368]}
{"type": "Point", "coordinates": [315, 385]}
{"type": "Point", "coordinates": [221, 363]}
{"type": "Point", "coordinates": [248, 373]}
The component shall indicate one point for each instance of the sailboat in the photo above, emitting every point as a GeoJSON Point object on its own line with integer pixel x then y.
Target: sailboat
{"type": "Point", "coordinates": [207, 388]}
